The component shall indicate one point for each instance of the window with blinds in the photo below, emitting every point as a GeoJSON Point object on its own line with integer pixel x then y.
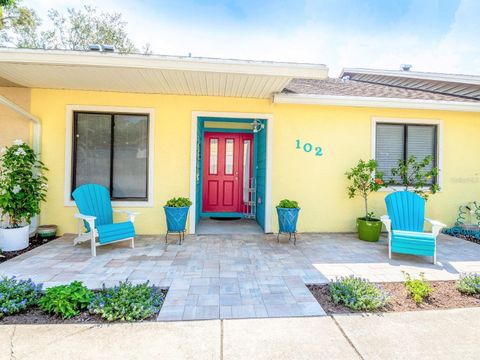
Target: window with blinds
{"type": "Point", "coordinates": [400, 141]}
{"type": "Point", "coordinates": [112, 150]}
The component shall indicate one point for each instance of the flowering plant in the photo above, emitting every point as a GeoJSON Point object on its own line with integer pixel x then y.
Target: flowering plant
{"type": "Point", "coordinates": [365, 179]}
{"type": "Point", "coordinates": [22, 184]}
{"type": "Point", "coordinates": [127, 302]}
{"type": "Point", "coordinates": [17, 295]}
{"type": "Point", "coordinates": [358, 294]}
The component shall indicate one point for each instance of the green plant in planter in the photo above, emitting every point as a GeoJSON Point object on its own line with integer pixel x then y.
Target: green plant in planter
{"type": "Point", "coordinates": [22, 184]}
{"type": "Point", "coordinates": [179, 202]}
{"type": "Point", "coordinates": [416, 175]}
{"type": "Point", "coordinates": [288, 204]}
{"type": "Point", "coordinates": [365, 179]}
{"type": "Point", "coordinates": [66, 300]}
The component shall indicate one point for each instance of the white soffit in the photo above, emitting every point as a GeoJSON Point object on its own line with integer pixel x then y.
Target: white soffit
{"type": "Point", "coordinates": [84, 70]}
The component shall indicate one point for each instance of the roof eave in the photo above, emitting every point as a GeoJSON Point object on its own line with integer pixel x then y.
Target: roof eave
{"type": "Point", "coordinates": [101, 59]}
{"type": "Point", "coordinates": [376, 102]}
{"type": "Point", "coordinates": [456, 78]}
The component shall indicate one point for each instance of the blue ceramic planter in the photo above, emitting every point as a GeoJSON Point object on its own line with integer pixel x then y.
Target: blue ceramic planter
{"type": "Point", "coordinates": [287, 219]}
{"type": "Point", "coordinates": [176, 218]}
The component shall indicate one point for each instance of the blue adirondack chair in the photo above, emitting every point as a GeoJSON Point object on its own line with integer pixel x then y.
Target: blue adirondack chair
{"type": "Point", "coordinates": [96, 213]}
{"type": "Point", "coordinates": [405, 226]}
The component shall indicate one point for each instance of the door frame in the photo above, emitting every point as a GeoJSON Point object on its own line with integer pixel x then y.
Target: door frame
{"type": "Point", "coordinates": [193, 160]}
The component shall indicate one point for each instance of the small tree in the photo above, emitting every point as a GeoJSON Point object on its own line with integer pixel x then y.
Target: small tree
{"type": "Point", "coordinates": [22, 185]}
{"type": "Point", "coordinates": [365, 180]}
{"type": "Point", "coordinates": [416, 176]}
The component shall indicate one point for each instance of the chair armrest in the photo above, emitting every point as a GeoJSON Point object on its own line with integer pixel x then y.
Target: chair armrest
{"type": "Point", "coordinates": [436, 226]}
{"type": "Point", "coordinates": [88, 218]}
{"type": "Point", "coordinates": [435, 222]}
{"type": "Point", "coordinates": [85, 217]}
{"type": "Point", "coordinates": [131, 214]}
{"type": "Point", "coordinates": [385, 219]}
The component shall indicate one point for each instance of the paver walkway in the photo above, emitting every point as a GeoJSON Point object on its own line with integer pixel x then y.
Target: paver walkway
{"type": "Point", "coordinates": [237, 276]}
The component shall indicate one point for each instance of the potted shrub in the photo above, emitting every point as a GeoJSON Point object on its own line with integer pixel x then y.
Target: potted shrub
{"type": "Point", "coordinates": [287, 211]}
{"type": "Point", "coordinates": [365, 180]}
{"type": "Point", "coordinates": [22, 188]}
{"type": "Point", "coordinates": [176, 211]}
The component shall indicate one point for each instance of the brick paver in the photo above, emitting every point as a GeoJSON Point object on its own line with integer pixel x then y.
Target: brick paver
{"type": "Point", "coordinates": [236, 276]}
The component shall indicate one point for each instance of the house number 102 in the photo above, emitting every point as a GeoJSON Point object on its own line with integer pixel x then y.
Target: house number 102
{"type": "Point", "coordinates": [307, 147]}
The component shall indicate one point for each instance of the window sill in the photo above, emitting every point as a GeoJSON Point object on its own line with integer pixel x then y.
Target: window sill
{"type": "Point", "coordinates": [400, 188]}
{"type": "Point", "coordinates": [122, 204]}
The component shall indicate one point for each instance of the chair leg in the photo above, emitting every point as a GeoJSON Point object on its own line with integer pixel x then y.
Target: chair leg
{"type": "Point", "coordinates": [93, 245]}
{"type": "Point", "coordinates": [295, 239]}
{"type": "Point", "coordinates": [132, 243]}
{"type": "Point", "coordinates": [278, 237]}
{"type": "Point", "coordinates": [166, 237]}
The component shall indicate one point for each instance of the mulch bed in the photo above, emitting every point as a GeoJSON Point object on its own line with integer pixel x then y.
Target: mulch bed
{"type": "Point", "coordinates": [36, 316]}
{"type": "Point", "coordinates": [469, 238]}
{"type": "Point", "coordinates": [445, 296]}
{"type": "Point", "coordinates": [34, 242]}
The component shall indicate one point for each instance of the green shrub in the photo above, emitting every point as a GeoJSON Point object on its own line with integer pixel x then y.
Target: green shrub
{"type": "Point", "coordinates": [419, 289]}
{"type": "Point", "coordinates": [22, 185]}
{"type": "Point", "coordinates": [365, 179]}
{"type": "Point", "coordinates": [469, 284]}
{"type": "Point", "coordinates": [288, 204]}
{"type": "Point", "coordinates": [358, 294]}
{"type": "Point", "coordinates": [17, 295]}
{"type": "Point", "coordinates": [127, 302]}
{"type": "Point", "coordinates": [416, 175]}
{"type": "Point", "coordinates": [66, 300]}
{"type": "Point", "coordinates": [178, 202]}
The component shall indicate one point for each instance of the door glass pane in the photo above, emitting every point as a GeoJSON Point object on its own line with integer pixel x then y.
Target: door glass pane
{"type": "Point", "coordinates": [130, 156]}
{"type": "Point", "coordinates": [213, 156]}
{"type": "Point", "coordinates": [246, 170]}
{"type": "Point", "coordinates": [229, 157]}
{"type": "Point", "coordinates": [92, 149]}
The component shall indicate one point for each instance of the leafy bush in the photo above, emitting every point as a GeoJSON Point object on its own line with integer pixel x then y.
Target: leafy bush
{"type": "Point", "coordinates": [416, 175]}
{"type": "Point", "coordinates": [469, 284]}
{"type": "Point", "coordinates": [358, 294]}
{"type": "Point", "coordinates": [66, 300]}
{"type": "Point", "coordinates": [178, 202]}
{"type": "Point", "coordinates": [288, 204]}
{"type": "Point", "coordinates": [22, 185]}
{"type": "Point", "coordinates": [365, 180]}
{"type": "Point", "coordinates": [17, 295]}
{"type": "Point", "coordinates": [127, 302]}
{"type": "Point", "coordinates": [419, 289]}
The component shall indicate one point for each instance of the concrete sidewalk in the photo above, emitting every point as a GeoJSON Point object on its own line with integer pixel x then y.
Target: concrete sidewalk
{"type": "Point", "coordinates": [447, 334]}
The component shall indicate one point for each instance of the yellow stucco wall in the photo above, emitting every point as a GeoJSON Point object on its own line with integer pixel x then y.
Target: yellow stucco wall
{"type": "Point", "coordinates": [13, 125]}
{"type": "Point", "coordinates": [318, 183]}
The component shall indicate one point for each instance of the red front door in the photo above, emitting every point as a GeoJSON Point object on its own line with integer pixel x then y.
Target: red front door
{"type": "Point", "coordinates": [223, 171]}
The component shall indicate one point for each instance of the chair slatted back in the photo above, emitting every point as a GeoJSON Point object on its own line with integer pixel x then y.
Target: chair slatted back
{"type": "Point", "coordinates": [406, 211]}
{"type": "Point", "coordinates": [94, 200]}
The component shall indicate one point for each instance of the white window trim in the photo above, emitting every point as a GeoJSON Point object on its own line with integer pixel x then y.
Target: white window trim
{"type": "Point", "coordinates": [193, 162]}
{"type": "Point", "coordinates": [70, 109]}
{"type": "Point", "coordinates": [389, 120]}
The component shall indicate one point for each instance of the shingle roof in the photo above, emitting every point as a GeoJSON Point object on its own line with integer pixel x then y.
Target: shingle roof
{"type": "Point", "coordinates": [339, 87]}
